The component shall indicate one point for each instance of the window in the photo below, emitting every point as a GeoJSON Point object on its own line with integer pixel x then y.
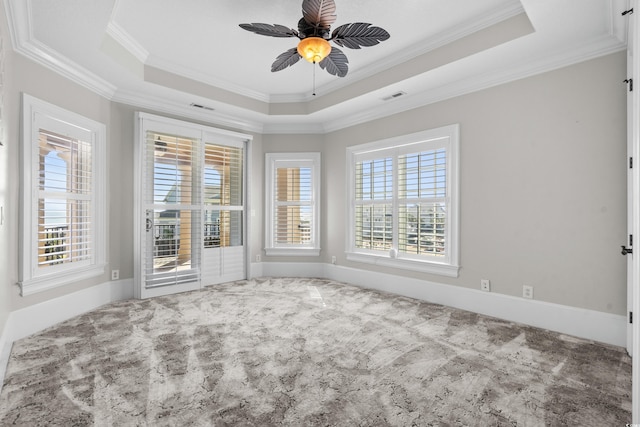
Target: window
{"type": "Point", "coordinates": [62, 232]}
{"type": "Point", "coordinates": [293, 204]}
{"type": "Point", "coordinates": [403, 202]}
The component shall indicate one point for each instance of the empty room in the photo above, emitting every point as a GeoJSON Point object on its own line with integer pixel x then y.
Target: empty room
{"type": "Point", "coordinates": [319, 212]}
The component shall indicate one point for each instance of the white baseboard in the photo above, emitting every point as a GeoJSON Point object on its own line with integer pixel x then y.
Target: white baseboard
{"type": "Point", "coordinates": [588, 324]}
{"type": "Point", "coordinates": [289, 269]}
{"type": "Point", "coordinates": [29, 320]}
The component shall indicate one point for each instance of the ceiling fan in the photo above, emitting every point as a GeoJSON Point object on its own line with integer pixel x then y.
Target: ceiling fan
{"type": "Point", "coordinates": [315, 34]}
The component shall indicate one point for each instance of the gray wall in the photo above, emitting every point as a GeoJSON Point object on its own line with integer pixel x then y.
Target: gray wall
{"type": "Point", "coordinates": [37, 81]}
{"type": "Point", "coordinates": [293, 144]}
{"type": "Point", "coordinates": [542, 182]}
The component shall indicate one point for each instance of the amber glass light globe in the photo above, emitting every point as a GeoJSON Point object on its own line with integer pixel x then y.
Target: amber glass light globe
{"type": "Point", "coordinates": [314, 49]}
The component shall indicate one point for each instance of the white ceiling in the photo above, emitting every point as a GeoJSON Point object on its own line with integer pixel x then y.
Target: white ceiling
{"type": "Point", "coordinates": [168, 54]}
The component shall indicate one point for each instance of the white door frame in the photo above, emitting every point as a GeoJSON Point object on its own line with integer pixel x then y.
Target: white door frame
{"type": "Point", "coordinates": [633, 288]}
{"type": "Point", "coordinates": [174, 126]}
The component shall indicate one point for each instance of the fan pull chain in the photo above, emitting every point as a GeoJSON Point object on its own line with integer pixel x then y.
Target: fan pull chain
{"type": "Point", "coordinates": [314, 78]}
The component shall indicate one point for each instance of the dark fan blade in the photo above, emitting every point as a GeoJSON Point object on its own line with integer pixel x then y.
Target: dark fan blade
{"type": "Point", "coordinates": [319, 13]}
{"type": "Point", "coordinates": [275, 30]}
{"type": "Point", "coordinates": [358, 34]}
{"type": "Point", "coordinates": [285, 59]}
{"type": "Point", "coordinates": [336, 63]}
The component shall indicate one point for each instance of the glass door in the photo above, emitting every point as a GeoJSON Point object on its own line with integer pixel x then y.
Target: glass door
{"type": "Point", "coordinates": [172, 213]}
{"type": "Point", "coordinates": [190, 206]}
{"type": "Point", "coordinates": [224, 252]}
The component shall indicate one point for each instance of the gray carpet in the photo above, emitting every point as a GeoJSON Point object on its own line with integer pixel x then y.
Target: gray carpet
{"type": "Point", "coordinates": [308, 352]}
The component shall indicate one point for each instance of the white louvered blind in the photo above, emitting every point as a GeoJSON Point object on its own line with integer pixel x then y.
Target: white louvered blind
{"type": "Point", "coordinates": [404, 207]}
{"type": "Point", "coordinates": [293, 203]}
{"type": "Point", "coordinates": [401, 200]}
{"type": "Point", "coordinates": [374, 207]}
{"type": "Point", "coordinates": [65, 194]}
{"type": "Point", "coordinates": [293, 206]}
{"type": "Point", "coordinates": [422, 191]}
{"type": "Point", "coordinates": [223, 196]}
{"type": "Point", "coordinates": [173, 211]}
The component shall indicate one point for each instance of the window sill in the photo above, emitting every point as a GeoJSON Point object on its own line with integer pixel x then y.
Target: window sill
{"type": "Point", "coordinates": [51, 281]}
{"type": "Point", "coordinates": [292, 251]}
{"type": "Point", "coordinates": [441, 269]}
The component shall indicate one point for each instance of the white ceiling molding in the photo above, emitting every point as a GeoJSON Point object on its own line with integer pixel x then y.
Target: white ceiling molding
{"type": "Point", "coordinates": [189, 73]}
{"type": "Point", "coordinates": [164, 105]}
{"type": "Point", "coordinates": [600, 47]}
{"type": "Point", "coordinates": [121, 36]}
{"type": "Point", "coordinates": [24, 43]}
{"type": "Point", "coordinates": [596, 48]}
{"type": "Point", "coordinates": [603, 35]}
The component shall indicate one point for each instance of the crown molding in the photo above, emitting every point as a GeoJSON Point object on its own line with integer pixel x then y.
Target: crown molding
{"type": "Point", "coordinates": [23, 42]}
{"type": "Point", "coordinates": [20, 29]}
{"type": "Point", "coordinates": [127, 41]}
{"type": "Point", "coordinates": [306, 128]}
{"type": "Point", "coordinates": [597, 47]}
{"type": "Point", "coordinates": [162, 105]}
{"type": "Point", "coordinates": [189, 73]}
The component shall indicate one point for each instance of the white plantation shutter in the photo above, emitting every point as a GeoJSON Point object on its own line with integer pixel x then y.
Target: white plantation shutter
{"type": "Point", "coordinates": [404, 202]}
{"type": "Point", "coordinates": [63, 203]}
{"type": "Point", "coordinates": [223, 195]}
{"type": "Point", "coordinates": [292, 192]}
{"type": "Point", "coordinates": [224, 250]}
{"type": "Point", "coordinates": [374, 208]}
{"type": "Point", "coordinates": [64, 200]}
{"type": "Point", "coordinates": [173, 212]}
{"type": "Point", "coordinates": [190, 213]}
{"type": "Point", "coordinates": [293, 205]}
{"type": "Point", "coordinates": [422, 202]}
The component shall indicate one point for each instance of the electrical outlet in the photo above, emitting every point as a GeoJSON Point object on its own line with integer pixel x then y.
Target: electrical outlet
{"type": "Point", "coordinates": [485, 285]}
{"type": "Point", "coordinates": [115, 274]}
{"type": "Point", "coordinates": [258, 258]}
{"type": "Point", "coordinates": [333, 260]}
{"type": "Point", "coordinates": [527, 291]}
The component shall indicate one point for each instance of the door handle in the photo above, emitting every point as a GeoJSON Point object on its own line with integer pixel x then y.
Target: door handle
{"type": "Point", "coordinates": [626, 250]}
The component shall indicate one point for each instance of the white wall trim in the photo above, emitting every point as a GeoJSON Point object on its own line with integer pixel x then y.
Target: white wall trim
{"type": "Point", "coordinates": [29, 320]}
{"type": "Point", "coordinates": [288, 269]}
{"type": "Point", "coordinates": [24, 42]}
{"type": "Point", "coordinates": [588, 324]}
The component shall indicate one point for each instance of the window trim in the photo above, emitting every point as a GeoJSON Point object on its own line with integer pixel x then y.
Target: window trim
{"type": "Point", "coordinates": [30, 279]}
{"type": "Point", "coordinates": [450, 135]}
{"type": "Point", "coordinates": [312, 159]}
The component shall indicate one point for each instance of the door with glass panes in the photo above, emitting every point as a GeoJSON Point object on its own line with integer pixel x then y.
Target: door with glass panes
{"type": "Point", "coordinates": [191, 231]}
{"type": "Point", "coordinates": [223, 257]}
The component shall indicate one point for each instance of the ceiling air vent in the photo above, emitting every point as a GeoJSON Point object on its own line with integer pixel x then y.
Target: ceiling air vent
{"type": "Point", "coordinates": [394, 96]}
{"type": "Point", "coordinates": [193, 104]}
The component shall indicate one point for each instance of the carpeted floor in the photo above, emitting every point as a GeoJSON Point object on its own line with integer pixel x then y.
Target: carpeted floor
{"type": "Point", "coordinates": [307, 352]}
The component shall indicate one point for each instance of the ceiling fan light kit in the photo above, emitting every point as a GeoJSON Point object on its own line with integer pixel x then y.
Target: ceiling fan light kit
{"type": "Point", "coordinates": [314, 32]}
{"type": "Point", "coordinates": [314, 49]}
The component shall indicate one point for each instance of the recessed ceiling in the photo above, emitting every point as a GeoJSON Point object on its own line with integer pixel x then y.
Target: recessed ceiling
{"type": "Point", "coordinates": [168, 55]}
